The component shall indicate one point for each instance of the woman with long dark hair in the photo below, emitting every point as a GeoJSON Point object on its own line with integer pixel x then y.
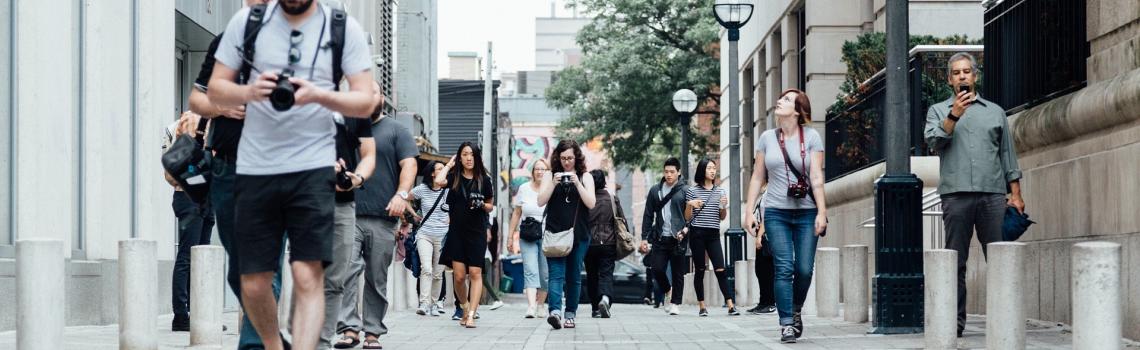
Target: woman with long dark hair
{"type": "Point", "coordinates": [795, 211]}
{"type": "Point", "coordinates": [429, 237]}
{"type": "Point", "coordinates": [602, 254]}
{"type": "Point", "coordinates": [470, 198]}
{"type": "Point", "coordinates": [568, 196]}
{"type": "Point", "coordinates": [706, 206]}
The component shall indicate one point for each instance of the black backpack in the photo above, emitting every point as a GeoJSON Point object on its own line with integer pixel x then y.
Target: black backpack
{"type": "Point", "coordinates": [253, 27]}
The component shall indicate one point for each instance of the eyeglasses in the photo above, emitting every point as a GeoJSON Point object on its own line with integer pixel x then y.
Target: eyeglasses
{"type": "Point", "coordinates": [295, 39]}
{"type": "Point", "coordinates": [541, 169]}
{"type": "Point", "coordinates": [568, 159]}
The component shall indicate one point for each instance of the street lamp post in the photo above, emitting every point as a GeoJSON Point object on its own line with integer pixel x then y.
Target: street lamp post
{"type": "Point", "coordinates": [684, 102]}
{"type": "Point", "coordinates": [732, 16]}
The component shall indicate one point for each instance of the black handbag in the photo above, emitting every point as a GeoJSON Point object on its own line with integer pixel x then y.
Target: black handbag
{"type": "Point", "coordinates": [530, 230]}
{"type": "Point", "coordinates": [188, 162]}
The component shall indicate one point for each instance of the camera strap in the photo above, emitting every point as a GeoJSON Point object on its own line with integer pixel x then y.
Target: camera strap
{"type": "Point", "coordinates": [702, 208]}
{"type": "Point", "coordinates": [442, 193]}
{"type": "Point", "coordinates": [800, 178]}
{"type": "Point", "coordinates": [256, 19]}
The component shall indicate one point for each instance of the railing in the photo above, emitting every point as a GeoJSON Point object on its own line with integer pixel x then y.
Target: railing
{"type": "Point", "coordinates": [1037, 50]}
{"type": "Point", "coordinates": [855, 138]}
{"type": "Point", "coordinates": [932, 221]}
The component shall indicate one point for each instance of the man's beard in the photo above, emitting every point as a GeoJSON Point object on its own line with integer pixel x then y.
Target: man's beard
{"type": "Point", "coordinates": [296, 10]}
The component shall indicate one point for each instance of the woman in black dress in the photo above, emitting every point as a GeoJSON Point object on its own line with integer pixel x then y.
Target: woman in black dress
{"type": "Point", "coordinates": [469, 200]}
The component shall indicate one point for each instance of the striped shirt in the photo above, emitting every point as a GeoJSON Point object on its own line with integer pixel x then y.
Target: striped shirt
{"type": "Point", "coordinates": [436, 225]}
{"type": "Point", "coordinates": [710, 216]}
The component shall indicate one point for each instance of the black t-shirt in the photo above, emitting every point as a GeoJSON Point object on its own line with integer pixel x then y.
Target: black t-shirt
{"type": "Point", "coordinates": [464, 219]}
{"type": "Point", "coordinates": [564, 202]}
{"type": "Point", "coordinates": [226, 131]}
{"type": "Point", "coordinates": [348, 137]}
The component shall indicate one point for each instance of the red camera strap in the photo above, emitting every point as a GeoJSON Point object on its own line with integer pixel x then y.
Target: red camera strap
{"type": "Point", "coordinates": [803, 154]}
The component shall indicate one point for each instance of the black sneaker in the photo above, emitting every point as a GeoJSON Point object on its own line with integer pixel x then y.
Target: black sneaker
{"type": "Point", "coordinates": [457, 315]}
{"type": "Point", "coordinates": [703, 313]}
{"type": "Point", "coordinates": [732, 311]}
{"type": "Point", "coordinates": [555, 320]}
{"type": "Point", "coordinates": [788, 334]}
{"type": "Point", "coordinates": [596, 314]}
{"type": "Point", "coordinates": [755, 310]}
{"type": "Point", "coordinates": [180, 324]}
{"type": "Point", "coordinates": [798, 324]}
{"type": "Point", "coordinates": [768, 309]}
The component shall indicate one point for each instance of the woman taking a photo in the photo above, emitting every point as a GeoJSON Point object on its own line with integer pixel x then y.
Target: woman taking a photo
{"type": "Point", "coordinates": [470, 197]}
{"type": "Point", "coordinates": [527, 216]}
{"type": "Point", "coordinates": [706, 206]}
{"type": "Point", "coordinates": [795, 211]}
{"type": "Point", "coordinates": [568, 203]}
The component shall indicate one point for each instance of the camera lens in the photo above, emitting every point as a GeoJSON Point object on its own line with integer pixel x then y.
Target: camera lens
{"type": "Point", "coordinates": [282, 96]}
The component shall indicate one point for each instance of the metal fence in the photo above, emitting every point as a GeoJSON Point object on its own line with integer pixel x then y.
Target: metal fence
{"type": "Point", "coordinates": [1037, 50]}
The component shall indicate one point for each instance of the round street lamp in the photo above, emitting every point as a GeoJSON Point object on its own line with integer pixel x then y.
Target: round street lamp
{"type": "Point", "coordinates": [732, 15]}
{"type": "Point", "coordinates": [684, 102]}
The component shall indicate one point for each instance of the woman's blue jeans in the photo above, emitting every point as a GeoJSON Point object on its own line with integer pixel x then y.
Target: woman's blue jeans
{"type": "Point", "coordinates": [791, 233]}
{"type": "Point", "coordinates": [566, 278]}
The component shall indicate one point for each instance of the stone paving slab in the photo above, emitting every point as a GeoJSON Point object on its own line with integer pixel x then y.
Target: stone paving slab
{"type": "Point", "coordinates": [634, 327]}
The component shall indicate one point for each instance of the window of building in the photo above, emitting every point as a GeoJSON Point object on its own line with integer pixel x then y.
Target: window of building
{"type": "Point", "coordinates": [801, 41]}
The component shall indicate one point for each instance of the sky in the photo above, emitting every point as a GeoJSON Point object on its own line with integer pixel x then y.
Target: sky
{"type": "Point", "coordinates": [467, 25]}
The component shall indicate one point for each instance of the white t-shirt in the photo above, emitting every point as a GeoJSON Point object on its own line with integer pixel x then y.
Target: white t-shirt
{"type": "Point", "coordinates": [300, 138]}
{"type": "Point", "coordinates": [527, 199]}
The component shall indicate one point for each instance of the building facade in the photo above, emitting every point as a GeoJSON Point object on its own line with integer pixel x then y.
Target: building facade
{"type": "Point", "coordinates": [87, 87]}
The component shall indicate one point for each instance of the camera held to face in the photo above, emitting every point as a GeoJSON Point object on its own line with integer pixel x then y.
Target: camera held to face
{"type": "Point", "coordinates": [475, 200]}
{"type": "Point", "coordinates": [798, 190]}
{"type": "Point", "coordinates": [282, 97]}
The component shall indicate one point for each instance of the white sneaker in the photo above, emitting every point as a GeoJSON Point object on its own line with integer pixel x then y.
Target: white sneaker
{"type": "Point", "coordinates": [498, 304]}
{"type": "Point", "coordinates": [422, 310]}
{"type": "Point", "coordinates": [673, 310]}
{"type": "Point", "coordinates": [540, 312]}
{"type": "Point", "coordinates": [439, 307]}
{"type": "Point", "coordinates": [530, 312]}
{"type": "Point", "coordinates": [434, 310]}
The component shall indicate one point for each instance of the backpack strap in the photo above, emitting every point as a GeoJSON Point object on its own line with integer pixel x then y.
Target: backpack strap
{"type": "Point", "coordinates": [339, 23]}
{"type": "Point", "coordinates": [252, 28]}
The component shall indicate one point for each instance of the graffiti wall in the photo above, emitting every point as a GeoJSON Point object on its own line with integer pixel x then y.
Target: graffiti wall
{"type": "Point", "coordinates": [532, 143]}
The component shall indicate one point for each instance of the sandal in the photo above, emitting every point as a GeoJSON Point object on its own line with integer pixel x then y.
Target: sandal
{"type": "Point", "coordinates": [569, 323]}
{"type": "Point", "coordinates": [372, 344]}
{"type": "Point", "coordinates": [347, 342]}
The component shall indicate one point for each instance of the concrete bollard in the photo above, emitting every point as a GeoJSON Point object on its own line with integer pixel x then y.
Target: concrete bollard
{"type": "Point", "coordinates": [207, 272]}
{"type": "Point", "coordinates": [689, 296]}
{"type": "Point", "coordinates": [855, 283]}
{"type": "Point", "coordinates": [138, 269]}
{"type": "Point", "coordinates": [40, 294]}
{"type": "Point", "coordinates": [828, 277]}
{"type": "Point", "coordinates": [1097, 296]}
{"type": "Point", "coordinates": [744, 278]}
{"type": "Point", "coordinates": [753, 284]}
{"type": "Point", "coordinates": [940, 268]}
{"type": "Point", "coordinates": [1005, 286]}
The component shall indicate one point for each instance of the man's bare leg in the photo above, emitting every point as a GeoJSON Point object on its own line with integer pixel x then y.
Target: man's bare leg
{"type": "Point", "coordinates": [309, 304]}
{"type": "Point", "coordinates": [261, 307]}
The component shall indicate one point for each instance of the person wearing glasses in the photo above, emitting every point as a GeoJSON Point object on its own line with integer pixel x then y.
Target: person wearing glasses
{"type": "Point", "coordinates": [285, 166]}
{"type": "Point", "coordinates": [527, 210]}
{"type": "Point", "coordinates": [568, 196]}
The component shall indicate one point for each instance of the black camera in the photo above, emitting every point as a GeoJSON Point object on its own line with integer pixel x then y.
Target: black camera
{"type": "Point", "coordinates": [475, 200]}
{"type": "Point", "coordinates": [343, 180]}
{"type": "Point", "coordinates": [798, 190]}
{"type": "Point", "coordinates": [282, 95]}
{"type": "Point", "coordinates": [566, 179]}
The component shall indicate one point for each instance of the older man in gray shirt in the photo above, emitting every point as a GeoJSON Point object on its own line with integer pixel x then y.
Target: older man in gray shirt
{"type": "Point", "coordinates": [978, 167]}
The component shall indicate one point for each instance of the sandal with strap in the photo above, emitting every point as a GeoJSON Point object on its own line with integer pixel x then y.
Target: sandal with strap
{"type": "Point", "coordinates": [347, 342]}
{"type": "Point", "coordinates": [372, 344]}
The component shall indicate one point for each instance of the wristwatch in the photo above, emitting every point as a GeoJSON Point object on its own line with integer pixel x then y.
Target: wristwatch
{"type": "Point", "coordinates": [403, 194]}
{"type": "Point", "coordinates": [952, 117]}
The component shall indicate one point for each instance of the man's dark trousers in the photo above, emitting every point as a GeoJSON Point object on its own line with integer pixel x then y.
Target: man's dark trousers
{"type": "Point", "coordinates": [962, 214]}
{"type": "Point", "coordinates": [195, 225]}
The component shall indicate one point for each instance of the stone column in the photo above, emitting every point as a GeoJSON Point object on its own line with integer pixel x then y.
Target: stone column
{"type": "Point", "coordinates": [754, 285]}
{"type": "Point", "coordinates": [1097, 295]}
{"type": "Point", "coordinates": [855, 283]}
{"type": "Point", "coordinates": [689, 296]}
{"type": "Point", "coordinates": [940, 268]}
{"type": "Point", "coordinates": [827, 278]}
{"type": "Point", "coordinates": [40, 297]}
{"type": "Point", "coordinates": [412, 298]}
{"type": "Point", "coordinates": [138, 269]}
{"type": "Point", "coordinates": [1005, 285]}
{"type": "Point", "coordinates": [744, 278]}
{"type": "Point", "coordinates": [207, 272]}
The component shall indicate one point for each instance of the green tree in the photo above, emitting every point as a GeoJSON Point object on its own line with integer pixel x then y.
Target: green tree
{"type": "Point", "coordinates": [636, 53]}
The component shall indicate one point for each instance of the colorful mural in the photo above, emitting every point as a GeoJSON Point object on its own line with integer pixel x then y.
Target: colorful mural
{"type": "Point", "coordinates": [532, 143]}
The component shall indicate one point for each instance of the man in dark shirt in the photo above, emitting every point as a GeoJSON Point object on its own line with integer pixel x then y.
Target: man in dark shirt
{"type": "Point", "coordinates": [379, 205]}
{"type": "Point", "coordinates": [224, 135]}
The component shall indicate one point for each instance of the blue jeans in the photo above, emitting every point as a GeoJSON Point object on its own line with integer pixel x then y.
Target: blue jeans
{"type": "Point", "coordinates": [536, 274]}
{"type": "Point", "coordinates": [791, 234]}
{"type": "Point", "coordinates": [222, 201]}
{"type": "Point", "coordinates": [566, 278]}
{"type": "Point", "coordinates": [195, 224]}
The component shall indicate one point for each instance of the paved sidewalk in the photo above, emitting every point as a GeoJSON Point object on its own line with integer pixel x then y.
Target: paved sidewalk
{"type": "Point", "coordinates": [633, 327]}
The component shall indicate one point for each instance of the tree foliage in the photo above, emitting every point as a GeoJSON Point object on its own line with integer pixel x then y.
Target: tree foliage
{"type": "Point", "coordinates": [636, 54]}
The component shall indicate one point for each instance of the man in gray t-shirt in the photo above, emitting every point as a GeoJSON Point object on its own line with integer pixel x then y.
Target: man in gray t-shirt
{"type": "Point", "coordinates": [285, 178]}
